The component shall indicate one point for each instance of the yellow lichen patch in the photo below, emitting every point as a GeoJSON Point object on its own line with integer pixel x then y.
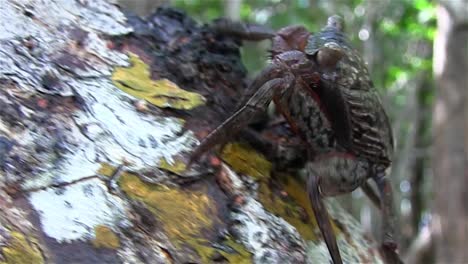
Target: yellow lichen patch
{"type": "Point", "coordinates": [105, 238]}
{"type": "Point", "coordinates": [136, 81]}
{"type": "Point", "coordinates": [237, 254]}
{"type": "Point", "coordinates": [290, 210]}
{"type": "Point", "coordinates": [202, 247]}
{"type": "Point", "coordinates": [241, 255]}
{"type": "Point", "coordinates": [134, 187]}
{"type": "Point", "coordinates": [244, 159]}
{"type": "Point", "coordinates": [296, 211]}
{"type": "Point", "coordinates": [298, 193]}
{"type": "Point", "coordinates": [106, 169]}
{"type": "Point", "coordinates": [176, 167]}
{"type": "Point", "coordinates": [183, 214]}
{"type": "Point", "coordinates": [21, 250]}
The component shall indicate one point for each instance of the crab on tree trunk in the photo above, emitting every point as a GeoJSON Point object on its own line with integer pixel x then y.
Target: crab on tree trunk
{"type": "Point", "coordinates": [321, 86]}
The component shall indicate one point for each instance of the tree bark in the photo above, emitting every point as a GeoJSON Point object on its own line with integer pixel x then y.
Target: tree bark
{"type": "Point", "coordinates": [450, 223]}
{"type": "Point", "coordinates": [98, 115]}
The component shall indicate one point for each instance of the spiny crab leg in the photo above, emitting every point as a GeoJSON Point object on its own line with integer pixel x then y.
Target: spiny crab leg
{"type": "Point", "coordinates": [257, 103]}
{"type": "Point", "coordinates": [321, 216]}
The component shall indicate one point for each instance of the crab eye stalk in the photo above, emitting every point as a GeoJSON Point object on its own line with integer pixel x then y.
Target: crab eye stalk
{"type": "Point", "coordinates": [336, 22]}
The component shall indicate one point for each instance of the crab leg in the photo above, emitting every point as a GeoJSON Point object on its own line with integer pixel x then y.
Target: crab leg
{"type": "Point", "coordinates": [257, 103]}
{"type": "Point", "coordinates": [270, 72]}
{"type": "Point", "coordinates": [321, 215]}
{"type": "Point", "coordinates": [242, 30]}
{"type": "Point", "coordinates": [371, 194]}
{"type": "Point", "coordinates": [388, 216]}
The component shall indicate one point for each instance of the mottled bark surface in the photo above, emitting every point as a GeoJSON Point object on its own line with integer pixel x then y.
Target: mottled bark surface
{"type": "Point", "coordinates": [98, 114]}
{"type": "Point", "coordinates": [450, 132]}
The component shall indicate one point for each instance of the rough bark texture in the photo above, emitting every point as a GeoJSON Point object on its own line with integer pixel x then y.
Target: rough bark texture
{"type": "Point", "coordinates": [451, 132]}
{"type": "Point", "coordinates": [98, 113]}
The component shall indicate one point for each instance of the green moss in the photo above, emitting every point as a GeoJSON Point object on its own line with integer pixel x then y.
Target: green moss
{"type": "Point", "coordinates": [243, 159]}
{"type": "Point", "coordinates": [296, 190]}
{"type": "Point", "coordinates": [235, 253]}
{"type": "Point", "coordinates": [176, 167]}
{"type": "Point", "coordinates": [183, 214]}
{"type": "Point", "coordinates": [202, 247]}
{"type": "Point", "coordinates": [136, 81]}
{"type": "Point", "coordinates": [292, 210]}
{"type": "Point", "coordinates": [21, 250]}
{"type": "Point", "coordinates": [240, 255]}
{"type": "Point", "coordinates": [105, 238]}
{"type": "Point", "coordinates": [296, 209]}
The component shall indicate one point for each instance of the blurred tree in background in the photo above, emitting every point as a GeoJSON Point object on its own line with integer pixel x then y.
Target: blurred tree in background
{"type": "Point", "coordinates": [396, 39]}
{"type": "Point", "coordinates": [450, 210]}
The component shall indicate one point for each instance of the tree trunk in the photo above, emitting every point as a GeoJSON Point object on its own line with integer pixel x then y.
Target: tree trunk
{"type": "Point", "coordinates": [451, 133]}
{"type": "Point", "coordinates": [98, 114]}
{"type": "Point", "coordinates": [232, 9]}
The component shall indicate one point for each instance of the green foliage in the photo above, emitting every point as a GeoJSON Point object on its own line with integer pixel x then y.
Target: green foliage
{"type": "Point", "coordinates": [416, 20]}
{"type": "Point", "coordinates": [398, 25]}
{"type": "Point", "coordinates": [402, 31]}
{"type": "Point", "coordinates": [205, 10]}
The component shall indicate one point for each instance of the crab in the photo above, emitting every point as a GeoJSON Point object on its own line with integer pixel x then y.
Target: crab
{"type": "Point", "coordinates": [322, 88]}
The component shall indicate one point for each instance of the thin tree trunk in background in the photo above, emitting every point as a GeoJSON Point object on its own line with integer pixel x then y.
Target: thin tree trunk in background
{"type": "Point", "coordinates": [232, 9]}
{"type": "Point", "coordinates": [417, 238]}
{"type": "Point", "coordinates": [450, 223]}
{"type": "Point", "coordinates": [421, 145]}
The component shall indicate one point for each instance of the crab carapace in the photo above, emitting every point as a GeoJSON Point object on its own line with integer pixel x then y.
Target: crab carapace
{"type": "Point", "coordinates": [321, 86]}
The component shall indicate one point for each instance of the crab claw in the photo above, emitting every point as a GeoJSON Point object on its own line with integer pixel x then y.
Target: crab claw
{"type": "Point", "coordinates": [243, 30]}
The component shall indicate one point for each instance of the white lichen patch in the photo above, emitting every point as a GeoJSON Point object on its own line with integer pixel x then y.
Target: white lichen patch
{"type": "Point", "coordinates": [63, 41]}
{"type": "Point", "coordinates": [72, 212]}
{"type": "Point", "coordinates": [14, 23]}
{"type": "Point", "coordinates": [35, 34]}
{"type": "Point", "coordinates": [123, 133]}
{"type": "Point", "coordinates": [59, 48]}
{"type": "Point", "coordinates": [98, 47]}
{"type": "Point", "coordinates": [355, 246]}
{"type": "Point", "coordinates": [99, 16]}
{"type": "Point", "coordinates": [111, 131]}
{"type": "Point", "coordinates": [129, 256]}
{"type": "Point", "coordinates": [269, 238]}
{"type": "Point", "coordinates": [317, 252]}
